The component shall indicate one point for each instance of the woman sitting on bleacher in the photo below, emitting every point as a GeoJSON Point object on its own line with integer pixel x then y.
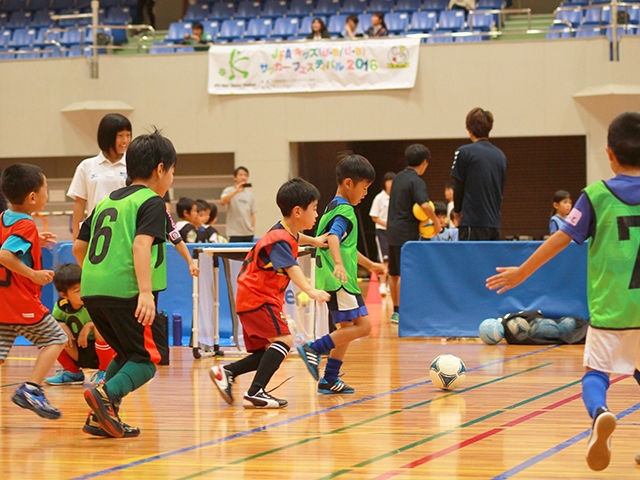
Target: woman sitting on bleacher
{"type": "Point", "coordinates": [378, 27]}
{"type": "Point", "coordinates": [318, 30]}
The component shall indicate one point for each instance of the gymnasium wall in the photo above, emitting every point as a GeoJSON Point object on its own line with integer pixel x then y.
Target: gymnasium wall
{"type": "Point", "coordinates": [51, 108]}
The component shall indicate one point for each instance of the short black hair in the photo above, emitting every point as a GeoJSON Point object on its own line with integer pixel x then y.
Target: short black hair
{"type": "Point", "coordinates": [560, 195]}
{"type": "Point", "coordinates": [415, 154]}
{"type": "Point", "coordinates": [296, 193]}
{"type": "Point", "coordinates": [235, 172]}
{"type": "Point", "coordinates": [198, 25]}
{"type": "Point", "coordinates": [19, 180]}
{"type": "Point", "coordinates": [66, 276]}
{"type": "Point", "coordinates": [450, 185]}
{"type": "Point", "coordinates": [439, 208]}
{"type": "Point", "coordinates": [353, 18]}
{"type": "Point", "coordinates": [184, 205]}
{"type": "Point", "coordinates": [355, 167]}
{"type": "Point", "coordinates": [388, 176]}
{"type": "Point", "coordinates": [110, 125]}
{"type": "Point", "coordinates": [148, 151]}
{"type": "Point", "coordinates": [202, 205]}
{"type": "Point", "coordinates": [623, 138]}
{"type": "Point", "coordinates": [479, 122]}
{"type": "Point", "coordinates": [213, 214]}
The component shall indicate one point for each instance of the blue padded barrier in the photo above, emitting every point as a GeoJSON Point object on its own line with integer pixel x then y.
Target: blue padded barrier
{"type": "Point", "coordinates": [443, 291]}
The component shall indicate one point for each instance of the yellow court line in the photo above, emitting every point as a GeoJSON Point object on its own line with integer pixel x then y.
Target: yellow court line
{"type": "Point", "coordinates": [21, 358]}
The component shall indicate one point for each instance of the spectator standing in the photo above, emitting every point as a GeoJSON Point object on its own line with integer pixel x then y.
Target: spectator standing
{"type": "Point", "coordinates": [379, 212]}
{"type": "Point", "coordinates": [479, 170]}
{"type": "Point", "coordinates": [143, 5]}
{"type": "Point", "coordinates": [241, 208]}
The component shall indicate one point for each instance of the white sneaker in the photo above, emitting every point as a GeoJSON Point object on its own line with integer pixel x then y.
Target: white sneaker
{"type": "Point", "coordinates": [599, 446]}
{"type": "Point", "coordinates": [223, 380]}
{"type": "Point", "coordinates": [263, 400]}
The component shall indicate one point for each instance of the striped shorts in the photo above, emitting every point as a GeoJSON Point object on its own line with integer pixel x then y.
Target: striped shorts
{"type": "Point", "coordinates": [42, 334]}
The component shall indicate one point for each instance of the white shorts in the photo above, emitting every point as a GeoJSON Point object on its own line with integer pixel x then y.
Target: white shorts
{"type": "Point", "coordinates": [612, 351]}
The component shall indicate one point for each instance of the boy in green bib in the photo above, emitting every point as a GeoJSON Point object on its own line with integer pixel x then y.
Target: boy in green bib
{"type": "Point", "coordinates": [337, 274]}
{"type": "Point", "coordinates": [121, 248]}
{"type": "Point", "coordinates": [608, 214]}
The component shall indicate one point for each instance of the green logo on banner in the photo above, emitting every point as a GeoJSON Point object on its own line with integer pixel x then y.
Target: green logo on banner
{"type": "Point", "coordinates": [233, 66]}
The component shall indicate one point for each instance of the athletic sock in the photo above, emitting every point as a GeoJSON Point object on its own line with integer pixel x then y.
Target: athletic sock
{"type": "Point", "coordinates": [246, 364]}
{"type": "Point", "coordinates": [113, 368]}
{"type": "Point", "coordinates": [332, 369]}
{"type": "Point", "coordinates": [324, 344]}
{"type": "Point", "coordinates": [594, 391]}
{"type": "Point", "coordinates": [130, 377]}
{"type": "Point", "coordinates": [105, 354]}
{"type": "Point", "coordinates": [396, 309]}
{"type": "Point", "coordinates": [68, 363]}
{"type": "Point", "coordinates": [271, 361]}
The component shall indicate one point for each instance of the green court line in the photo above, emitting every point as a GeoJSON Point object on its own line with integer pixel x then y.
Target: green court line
{"type": "Point", "coordinates": [370, 420]}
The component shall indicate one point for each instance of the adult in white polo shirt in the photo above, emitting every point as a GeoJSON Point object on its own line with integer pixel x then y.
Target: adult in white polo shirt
{"type": "Point", "coordinates": [241, 208]}
{"type": "Point", "coordinates": [97, 177]}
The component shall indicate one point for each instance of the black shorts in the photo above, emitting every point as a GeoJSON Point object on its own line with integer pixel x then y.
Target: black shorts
{"type": "Point", "coordinates": [478, 234]}
{"type": "Point", "coordinates": [394, 260]}
{"type": "Point", "coordinates": [129, 339]}
{"type": "Point", "coordinates": [383, 245]}
{"type": "Point", "coordinates": [87, 356]}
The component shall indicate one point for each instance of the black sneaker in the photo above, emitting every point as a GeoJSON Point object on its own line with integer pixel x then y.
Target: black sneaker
{"type": "Point", "coordinates": [311, 359]}
{"type": "Point", "coordinates": [223, 380]}
{"type": "Point", "coordinates": [105, 410]}
{"type": "Point", "coordinates": [92, 427]}
{"type": "Point", "coordinates": [337, 386]}
{"type": "Point", "coordinates": [263, 400]}
{"type": "Point", "coordinates": [599, 446]}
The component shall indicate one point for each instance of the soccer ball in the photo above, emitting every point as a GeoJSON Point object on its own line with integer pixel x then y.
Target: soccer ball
{"type": "Point", "coordinates": [545, 329]}
{"type": "Point", "coordinates": [491, 331]}
{"type": "Point", "coordinates": [447, 372]}
{"type": "Point", "coordinates": [519, 328]}
{"type": "Point", "coordinates": [566, 325]}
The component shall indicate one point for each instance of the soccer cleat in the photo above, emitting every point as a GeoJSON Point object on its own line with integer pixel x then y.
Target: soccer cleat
{"type": "Point", "coordinates": [599, 446]}
{"type": "Point", "coordinates": [32, 398]}
{"type": "Point", "coordinates": [395, 316]}
{"type": "Point", "coordinates": [263, 400]}
{"type": "Point", "coordinates": [92, 427]}
{"type": "Point", "coordinates": [98, 377]}
{"type": "Point", "coordinates": [105, 410]}
{"type": "Point", "coordinates": [337, 386]}
{"type": "Point", "coordinates": [311, 359]}
{"type": "Point", "coordinates": [223, 380]}
{"type": "Point", "coordinates": [65, 377]}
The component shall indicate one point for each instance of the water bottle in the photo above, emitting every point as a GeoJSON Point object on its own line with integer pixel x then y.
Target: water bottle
{"type": "Point", "coordinates": [177, 330]}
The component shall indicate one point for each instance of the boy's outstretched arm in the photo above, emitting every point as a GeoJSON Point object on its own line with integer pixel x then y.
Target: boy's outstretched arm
{"type": "Point", "coordinates": [183, 250]}
{"type": "Point", "coordinates": [370, 265]}
{"type": "Point", "coordinates": [319, 241]}
{"type": "Point", "coordinates": [79, 250]}
{"type": "Point", "coordinates": [146, 309]}
{"type": "Point", "coordinates": [297, 276]}
{"type": "Point", "coordinates": [510, 277]}
{"type": "Point", "coordinates": [10, 261]}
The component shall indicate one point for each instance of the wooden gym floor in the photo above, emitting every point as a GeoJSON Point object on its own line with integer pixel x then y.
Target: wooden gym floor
{"type": "Point", "coordinates": [518, 415]}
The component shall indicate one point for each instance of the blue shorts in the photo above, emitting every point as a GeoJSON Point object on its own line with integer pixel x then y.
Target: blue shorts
{"type": "Point", "coordinates": [345, 306]}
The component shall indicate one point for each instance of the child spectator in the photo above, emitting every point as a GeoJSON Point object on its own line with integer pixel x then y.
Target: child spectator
{"type": "Point", "coordinates": [448, 196]}
{"type": "Point", "coordinates": [337, 273]}
{"type": "Point", "coordinates": [605, 213]}
{"type": "Point", "coordinates": [187, 211]}
{"type": "Point", "coordinates": [211, 234]}
{"type": "Point", "coordinates": [199, 38]}
{"type": "Point", "coordinates": [379, 212]}
{"type": "Point", "coordinates": [446, 234]}
{"type": "Point", "coordinates": [561, 208]}
{"type": "Point", "coordinates": [21, 278]}
{"type": "Point", "coordinates": [86, 348]}
{"type": "Point", "coordinates": [123, 271]}
{"type": "Point", "coordinates": [262, 282]}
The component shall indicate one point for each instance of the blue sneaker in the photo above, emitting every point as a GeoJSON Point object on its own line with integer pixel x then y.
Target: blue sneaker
{"type": "Point", "coordinates": [395, 316]}
{"type": "Point", "coordinates": [98, 377]}
{"type": "Point", "coordinates": [311, 359]}
{"type": "Point", "coordinates": [32, 398]}
{"type": "Point", "coordinates": [337, 386]}
{"type": "Point", "coordinates": [65, 377]}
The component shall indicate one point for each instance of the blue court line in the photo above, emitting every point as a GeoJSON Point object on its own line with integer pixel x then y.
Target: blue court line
{"type": "Point", "coordinates": [558, 448]}
{"type": "Point", "coordinates": [288, 421]}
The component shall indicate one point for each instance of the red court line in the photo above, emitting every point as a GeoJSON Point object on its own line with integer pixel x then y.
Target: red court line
{"type": "Point", "coordinates": [486, 434]}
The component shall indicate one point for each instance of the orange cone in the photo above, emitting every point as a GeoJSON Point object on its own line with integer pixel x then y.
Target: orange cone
{"type": "Point", "coordinates": [373, 295]}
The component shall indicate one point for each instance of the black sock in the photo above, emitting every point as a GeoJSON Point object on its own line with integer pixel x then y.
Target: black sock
{"type": "Point", "coordinates": [246, 364]}
{"type": "Point", "coordinates": [396, 309]}
{"type": "Point", "coordinates": [273, 357]}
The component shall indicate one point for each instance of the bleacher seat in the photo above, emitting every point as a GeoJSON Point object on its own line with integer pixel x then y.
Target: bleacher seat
{"type": "Point", "coordinates": [598, 2]}
{"type": "Point", "coordinates": [27, 54]}
{"type": "Point", "coordinates": [70, 37]}
{"type": "Point", "coordinates": [212, 28]}
{"type": "Point", "coordinates": [14, 5]}
{"type": "Point", "coordinates": [364, 22]}
{"type": "Point", "coordinates": [622, 31]}
{"type": "Point", "coordinates": [355, 7]}
{"type": "Point", "coordinates": [470, 38]}
{"type": "Point", "coordinates": [118, 16]}
{"type": "Point", "coordinates": [286, 27]}
{"type": "Point", "coordinates": [68, 22]}
{"type": "Point", "coordinates": [481, 22]}
{"type": "Point", "coordinates": [445, 39]}
{"type": "Point", "coordinates": [159, 48]}
{"type": "Point", "coordinates": [336, 24]}
{"type": "Point", "coordinates": [634, 14]}
{"type": "Point", "coordinates": [19, 20]}
{"type": "Point", "coordinates": [7, 54]}
{"type": "Point", "coordinates": [407, 6]}
{"type": "Point", "coordinates": [259, 28]}
{"type": "Point", "coordinates": [177, 31]}
{"type": "Point", "coordinates": [4, 19]}
{"type": "Point", "coordinates": [42, 18]}
{"type": "Point", "coordinates": [397, 23]}
{"type": "Point", "coordinates": [559, 31]}
{"type": "Point", "coordinates": [42, 37]}
{"type": "Point", "coordinates": [300, 8]}
{"type": "Point", "coordinates": [588, 32]}
{"type": "Point", "coordinates": [23, 37]}
{"type": "Point", "coordinates": [597, 16]}
{"type": "Point", "coordinates": [222, 11]}
{"type": "Point", "coordinates": [422, 22]}
{"type": "Point", "coordinates": [61, 4]}
{"type": "Point", "coordinates": [327, 7]}
{"type": "Point", "coordinates": [232, 29]}
{"type": "Point", "coordinates": [305, 24]}
{"type": "Point", "coordinates": [451, 20]}
{"type": "Point", "coordinates": [197, 13]}
{"type": "Point", "coordinates": [573, 16]}
{"type": "Point", "coordinates": [384, 6]}
{"type": "Point", "coordinates": [490, 4]}
{"type": "Point", "coordinates": [51, 52]}
{"type": "Point", "coordinates": [248, 9]}
{"type": "Point", "coordinates": [274, 9]}
{"type": "Point", "coordinates": [575, 3]}
{"type": "Point", "coordinates": [40, 4]}
{"type": "Point", "coordinates": [434, 5]}
{"type": "Point", "coordinates": [5, 38]}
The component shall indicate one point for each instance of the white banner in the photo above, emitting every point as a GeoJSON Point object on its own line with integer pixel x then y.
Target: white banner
{"type": "Point", "coordinates": [313, 66]}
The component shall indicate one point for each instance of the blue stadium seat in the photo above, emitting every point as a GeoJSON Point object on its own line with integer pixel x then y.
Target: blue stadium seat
{"type": "Point", "coordinates": [84, 5]}
{"type": "Point", "coordinates": [42, 18]}
{"type": "Point", "coordinates": [355, 7]}
{"type": "Point", "coordinates": [430, 40]}
{"type": "Point", "coordinates": [470, 38]}
{"type": "Point", "coordinates": [622, 31]}
{"type": "Point", "coordinates": [588, 32]}
{"type": "Point", "coordinates": [422, 22]}
{"type": "Point", "coordinates": [42, 36]}
{"type": "Point", "coordinates": [384, 6]}
{"type": "Point", "coordinates": [336, 24]}
{"type": "Point", "coordinates": [19, 20]}
{"type": "Point", "coordinates": [7, 54]}
{"type": "Point", "coordinates": [575, 3]}
{"type": "Point", "coordinates": [212, 28]}
{"type": "Point", "coordinates": [558, 31]}
{"type": "Point", "coordinates": [197, 13]}
{"type": "Point", "coordinates": [286, 27]}
{"type": "Point", "coordinates": [118, 16]}
{"type": "Point", "coordinates": [232, 29]}
{"type": "Point", "coordinates": [222, 11]}
{"type": "Point", "coordinates": [397, 23]}
{"type": "Point", "coordinates": [490, 4]}
{"type": "Point", "coordinates": [598, 2]}
{"type": "Point", "coordinates": [634, 14]}
{"type": "Point", "coordinates": [248, 9]}
{"type": "Point", "coordinates": [177, 31]}
{"type": "Point", "coordinates": [305, 24]}
{"type": "Point", "coordinates": [23, 37]}
{"type": "Point", "coordinates": [364, 22]}
{"type": "Point", "coordinates": [62, 4]}
{"type": "Point", "coordinates": [68, 22]}
{"type": "Point", "coordinates": [573, 17]}
{"type": "Point", "coordinates": [481, 22]}
{"type": "Point", "coordinates": [5, 37]}
{"type": "Point", "coordinates": [300, 8]}
{"type": "Point", "coordinates": [597, 16]}
{"type": "Point", "coordinates": [40, 4]}
{"type": "Point", "coordinates": [434, 5]}
{"type": "Point", "coordinates": [110, 3]}
{"type": "Point", "coordinates": [75, 51]}
{"type": "Point", "coordinates": [451, 20]}
{"type": "Point", "coordinates": [70, 37]}
{"type": "Point", "coordinates": [159, 48]}
{"type": "Point", "coordinates": [407, 6]}
{"type": "Point", "coordinates": [14, 5]}
{"type": "Point", "coordinates": [259, 28]}
{"type": "Point", "coordinates": [4, 19]}
{"type": "Point", "coordinates": [27, 55]}
{"type": "Point", "coordinates": [274, 9]}
{"type": "Point", "coordinates": [327, 7]}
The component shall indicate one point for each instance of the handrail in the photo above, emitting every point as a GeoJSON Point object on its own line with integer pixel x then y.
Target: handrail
{"type": "Point", "coordinates": [500, 12]}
